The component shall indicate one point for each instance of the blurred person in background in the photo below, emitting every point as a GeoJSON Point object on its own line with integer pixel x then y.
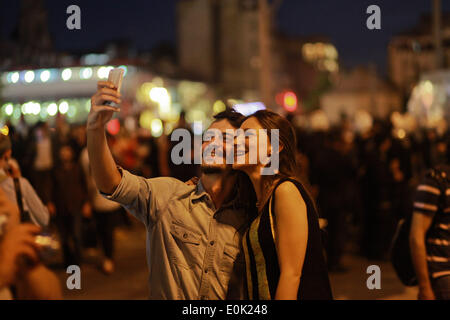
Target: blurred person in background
{"type": "Point", "coordinates": [78, 140]}
{"type": "Point", "coordinates": [430, 234]}
{"type": "Point", "coordinates": [14, 186]}
{"type": "Point", "coordinates": [377, 191]}
{"type": "Point", "coordinates": [41, 158]}
{"type": "Point", "coordinates": [18, 143]}
{"type": "Point", "coordinates": [22, 275]}
{"type": "Point", "coordinates": [440, 152]}
{"type": "Point", "coordinates": [148, 153]}
{"type": "Point", "coordinates": [335, 179]}
{"type": "Point", "coordinates": [105, 213]}
{"type": "Point", "coordinates": [163, 155]}
{"type": "Point", "coordinates": [184, 171]}
{"type": "Point", "coordinates": [71, 200]}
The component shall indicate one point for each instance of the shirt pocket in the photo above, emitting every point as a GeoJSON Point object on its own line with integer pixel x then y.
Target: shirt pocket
{"type": "Point", "coordinates": [185, 248]}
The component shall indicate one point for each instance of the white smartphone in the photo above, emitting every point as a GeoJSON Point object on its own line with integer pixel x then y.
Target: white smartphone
{"type": "Point", "coordinates": [115, 76]}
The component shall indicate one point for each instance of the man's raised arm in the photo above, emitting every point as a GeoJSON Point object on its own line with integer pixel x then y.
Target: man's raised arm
{"type": "Point", "coordinates": [107, 176]}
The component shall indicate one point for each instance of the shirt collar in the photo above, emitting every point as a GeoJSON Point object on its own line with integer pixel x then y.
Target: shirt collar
{"type": "Point", "coordinates": [200, 192]}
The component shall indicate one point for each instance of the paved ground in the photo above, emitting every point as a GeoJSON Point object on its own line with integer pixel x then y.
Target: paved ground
{"type": "Point", "coordinates": [353, 284]}
{"type": "Point", "coordinates": [129, 282]}
{"type": "Point", "coordinates": [130, 279]}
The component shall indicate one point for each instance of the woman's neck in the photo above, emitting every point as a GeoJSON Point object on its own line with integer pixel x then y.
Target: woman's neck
{"type": "Point", "coordinates": [259, 184]}
{"type": "Point", "coordinates": [255, 177]}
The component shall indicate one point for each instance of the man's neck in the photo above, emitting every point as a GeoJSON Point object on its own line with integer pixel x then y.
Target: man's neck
{"type": "Point", "coordinates": [219, 186]}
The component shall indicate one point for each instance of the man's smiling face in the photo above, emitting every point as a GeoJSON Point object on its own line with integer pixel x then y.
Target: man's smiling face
{"type": "Point", "coordinates": [217, 143]}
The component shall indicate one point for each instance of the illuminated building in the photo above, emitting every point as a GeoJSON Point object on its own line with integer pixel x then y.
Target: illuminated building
{"type": "Point", "coordinates": [412, 53]}
{"type": "Point", "coordinates": [360, 89]}
{"type": "Point", "coordinates": [430, 99]}
{"type": "Point", "coordinates": [301, 64]}
{"type": "Point", "coordinates": [218, 43]}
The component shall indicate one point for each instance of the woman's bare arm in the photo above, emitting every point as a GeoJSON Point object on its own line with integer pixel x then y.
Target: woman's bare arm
{"type": "Point", "coordinates": [291, 239]}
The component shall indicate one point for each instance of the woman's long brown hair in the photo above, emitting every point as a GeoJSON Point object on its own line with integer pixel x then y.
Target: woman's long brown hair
{"type": "Point", "coordinates": [287, 151]}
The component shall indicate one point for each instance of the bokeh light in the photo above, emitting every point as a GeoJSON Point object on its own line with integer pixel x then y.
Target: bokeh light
{"type": "Point", "coordinates": [156, 127]}
{"type": "Point", "coordinates": [219, 106]}
{"type": "Point", "coordinates": [4, 130]}
{"type": "Point", "coordinates": [29, 76]}
{"type": "Point", "coordinates": [45, 75]}
{"type": "Point", "coordinates": [9, 109]}
{"type": "Point", "coordinates": [52, 109]}
{"type": "Point", "coordinates": [66, 74]}
{"type": "Point", "coordinates": [113, 127]}
{"type": "Point", "coordinates": [63, 107]}
{"type": "Point", "coordinates": [86, 73]}
{"type": "Point", "coordinates": [145, 120]}
{"type": "Point", "coordinates": [15, 77]}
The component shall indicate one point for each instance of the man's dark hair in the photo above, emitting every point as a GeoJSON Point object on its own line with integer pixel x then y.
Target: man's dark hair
{"type": "Point", "coordinates": [234, 118]}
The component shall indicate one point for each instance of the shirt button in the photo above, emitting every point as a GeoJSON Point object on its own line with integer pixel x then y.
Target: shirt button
{"type": "Point", "coordinates": [212, 242]}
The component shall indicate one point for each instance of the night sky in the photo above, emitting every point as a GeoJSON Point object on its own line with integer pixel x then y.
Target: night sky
{"type": "Point", "coordinates": [150, 22]}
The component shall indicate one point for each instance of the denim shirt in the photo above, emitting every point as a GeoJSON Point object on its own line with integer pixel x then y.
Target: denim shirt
{"type": "Point", "coordinates": [193, 249]}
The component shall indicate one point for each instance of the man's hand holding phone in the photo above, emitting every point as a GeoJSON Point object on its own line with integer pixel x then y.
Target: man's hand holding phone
{"type": "Point", "coordinates": [105, 101]}
{"type": "Point", "coordinates": [101, 112]}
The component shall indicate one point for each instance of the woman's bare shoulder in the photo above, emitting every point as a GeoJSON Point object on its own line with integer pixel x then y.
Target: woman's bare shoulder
{"type": "Point", "coordinates": [288, 191]}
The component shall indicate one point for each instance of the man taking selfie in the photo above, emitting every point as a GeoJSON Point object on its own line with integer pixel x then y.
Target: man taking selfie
{"type": "Point", "coordinates": [193, 232]}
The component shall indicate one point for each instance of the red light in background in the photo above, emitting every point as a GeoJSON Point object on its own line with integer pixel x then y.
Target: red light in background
{"type": "Point", "coordinates": [113, 127]}
{"type": "Point", "coordinates": [290, 101]}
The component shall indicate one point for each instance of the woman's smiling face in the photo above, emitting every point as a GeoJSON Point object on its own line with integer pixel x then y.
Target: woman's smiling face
{"type": "Point", "coordinates": [247, 148]}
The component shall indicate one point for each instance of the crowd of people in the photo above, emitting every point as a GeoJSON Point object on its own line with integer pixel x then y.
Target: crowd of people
{"type": "Point", "coordinates": [365, 183]}
{"type": "Point", "coordinates": [62, 190]}
{"type": "Point", "coordinates": [362, 185]}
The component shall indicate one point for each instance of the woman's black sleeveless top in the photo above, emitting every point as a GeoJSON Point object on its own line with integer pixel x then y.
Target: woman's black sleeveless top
{"type": "Point", "coordinates": [262, 267]}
